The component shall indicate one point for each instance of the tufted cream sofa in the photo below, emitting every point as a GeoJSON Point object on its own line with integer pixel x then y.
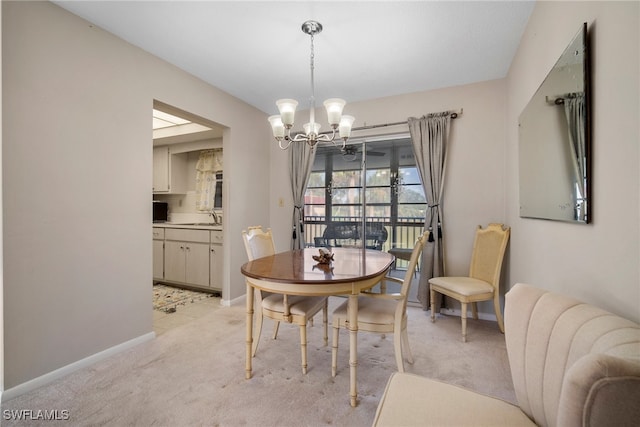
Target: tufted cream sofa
{"type": "Point", "coordinates": [572, 365]}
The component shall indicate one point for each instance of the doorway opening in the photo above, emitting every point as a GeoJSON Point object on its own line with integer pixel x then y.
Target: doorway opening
{"type": "Point", "coordinates": [187, 243]}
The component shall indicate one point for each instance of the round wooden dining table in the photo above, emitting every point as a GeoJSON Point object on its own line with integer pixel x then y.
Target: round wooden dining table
{"type": "Point", "coordinates": [297, 273]}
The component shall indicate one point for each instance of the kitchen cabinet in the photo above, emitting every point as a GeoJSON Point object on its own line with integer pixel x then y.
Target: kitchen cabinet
{"type": "Point", "coordinates": [158, 254]}
{"type": "Point", "coordinates": [169, 171]}
{"type": "Point", "coordinates": [186, 256]}
{"type": "Point", "coordinates": [215, 261]}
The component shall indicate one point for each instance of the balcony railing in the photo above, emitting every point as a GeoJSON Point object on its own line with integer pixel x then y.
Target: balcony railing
{"type": "Point", "coordinates": [401, 234]}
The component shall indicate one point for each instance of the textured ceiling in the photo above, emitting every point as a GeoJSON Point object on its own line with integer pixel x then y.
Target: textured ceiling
{"type": "Point", "coordinates": [257, 52]}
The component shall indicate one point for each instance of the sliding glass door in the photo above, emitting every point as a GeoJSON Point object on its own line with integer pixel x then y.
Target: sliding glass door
{"type": "Point", "coordinates": [391, 198]}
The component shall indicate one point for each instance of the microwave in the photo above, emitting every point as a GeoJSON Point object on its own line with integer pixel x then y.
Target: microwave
{"type": "Point", "coordinates": [160, 211]}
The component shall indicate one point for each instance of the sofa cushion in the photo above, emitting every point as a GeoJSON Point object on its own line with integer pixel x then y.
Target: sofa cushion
{"type": "Point", "coordinates": [440, 404]}
{"type": "Point", "coordinates": [298, 305]}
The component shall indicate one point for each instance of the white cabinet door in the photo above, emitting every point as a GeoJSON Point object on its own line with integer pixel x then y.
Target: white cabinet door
{"type": "Point", "coordinates": [186, 262]}
{"type": "Point", "coordinates": [158, 259]}
{"type": "Point", "coordinates": [197, 264]}
{"type": "Point", "coordinates": [161, 169]}
{"type": "Point", "coordinates": [174, 261]}
{"type": "Point", "coordinates": [215, 265]}
{"type": "Point", "coordinates": [186, 256]}
{"type": "Point", "coordinates": [169, 171]}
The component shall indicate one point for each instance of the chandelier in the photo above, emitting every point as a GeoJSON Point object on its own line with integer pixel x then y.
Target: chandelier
{"type": "Point", "coordinates": [281, 124]}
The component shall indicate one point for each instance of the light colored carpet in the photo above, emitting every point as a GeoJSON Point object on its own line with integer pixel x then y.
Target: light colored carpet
{"type": "Point", "coordinates": [194, 375]}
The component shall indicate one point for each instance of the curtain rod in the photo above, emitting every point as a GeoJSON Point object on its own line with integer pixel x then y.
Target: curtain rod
{"type": "Point", "coordinates": [559, 99]}
{"type": "Point", "coordinates": [454, 114]}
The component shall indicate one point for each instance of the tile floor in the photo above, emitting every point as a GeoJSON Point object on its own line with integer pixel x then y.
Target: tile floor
{"type": "Point", "coordinates": [162, 322]}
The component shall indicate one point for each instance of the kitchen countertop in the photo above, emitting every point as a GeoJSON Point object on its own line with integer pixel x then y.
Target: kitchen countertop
{"type": "Point", "coordinates": [198, 226]}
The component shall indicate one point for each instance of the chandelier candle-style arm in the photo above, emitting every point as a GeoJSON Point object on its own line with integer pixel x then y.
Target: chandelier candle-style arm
{"type": "Point", "coordinates": [281, 124]}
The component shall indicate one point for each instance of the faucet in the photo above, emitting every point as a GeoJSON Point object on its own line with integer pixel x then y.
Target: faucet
{"type": "Point", "coordinates": [214, 216]}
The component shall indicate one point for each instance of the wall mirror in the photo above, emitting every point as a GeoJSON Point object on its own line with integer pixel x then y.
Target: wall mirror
{"type": "Point", "coordinates": [555, 141]}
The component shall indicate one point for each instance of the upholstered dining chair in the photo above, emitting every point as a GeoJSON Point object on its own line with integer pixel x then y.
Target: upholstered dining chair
{"type": "Point", "coordinates": [288, 308]}
{"type": "Point", "coordinates": [483, 282]}
{"type": "Point", "coordinates": [382, 313]}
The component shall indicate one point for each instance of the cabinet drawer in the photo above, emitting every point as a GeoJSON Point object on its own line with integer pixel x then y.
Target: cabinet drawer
{"type": "Point", "coordinates": [158, 233]}
{"type": "Point", "coordinates": [187, 235]}
{"type": "Point", "coordinates": [216, 236]}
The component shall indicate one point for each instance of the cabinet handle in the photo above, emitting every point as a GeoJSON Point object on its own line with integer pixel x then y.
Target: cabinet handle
{"type": "Point", "coordinates": [213, 250]}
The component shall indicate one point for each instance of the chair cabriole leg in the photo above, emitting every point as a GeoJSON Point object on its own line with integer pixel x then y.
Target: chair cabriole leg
{"type": "Point", "coordinates": [463, 318]}
{"type": "Point", "coordinates": [407, 348]}
{"type": "Point", "coordinates": [432, 297]}
{"type": "Point", "coordinates": [397, 338]}
{"type": "Point", "coordinates": [258, 331]}
{"type": "Point", "coordinates": [334, 350]}
{"type": "Point", "coordinates": [303, 347]}
{"type": "Point", "coordinates": [325, 321]}
{"type": "Point", "coordinates": [496, 307]}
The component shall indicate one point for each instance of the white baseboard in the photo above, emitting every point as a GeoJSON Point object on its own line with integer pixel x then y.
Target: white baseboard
{"type": "Point", "coordinates": [65, 370]}
{"type": "Point", "coordinates": [456, 312]}
{"type": "Point", "coordinates": [228, 303]}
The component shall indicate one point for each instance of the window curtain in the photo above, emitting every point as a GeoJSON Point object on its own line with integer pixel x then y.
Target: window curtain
{"type": "Point", "coordinates": [301, 157]}
{"type": "Point", "coordinates": [208, 164]}
{"type": "Point", "coordinates": [430, 136]}
{"type": "Point", "coordinates": [574, 109]}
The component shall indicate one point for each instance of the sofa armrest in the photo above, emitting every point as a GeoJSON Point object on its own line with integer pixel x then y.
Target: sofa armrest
{"type": "Point", "coordinates": [601, 390]}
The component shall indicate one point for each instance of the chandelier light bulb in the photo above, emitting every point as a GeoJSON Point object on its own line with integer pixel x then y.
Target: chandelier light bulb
{"type": "Point", "coordinates": [277, 126]}
{"type": "Point", "coordinates": [334, 108]}
{"type": "Point", "coordinates": [311, 128]}
{"type": "Point", "coordinates": [287, 108]}
{"type": "Point", "coordinates": [346, 122]}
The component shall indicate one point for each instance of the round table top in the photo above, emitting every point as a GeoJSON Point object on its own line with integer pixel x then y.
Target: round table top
{"type": "Point", "coordinates": [298, 266]}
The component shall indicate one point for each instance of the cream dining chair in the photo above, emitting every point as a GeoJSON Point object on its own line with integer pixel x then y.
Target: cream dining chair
{"type": "Point", "coordinates": [483, 282]}
{"type": "Point", "coordinates": [288, 308]}
{"type": "Point", "coordinates": [382, 313]}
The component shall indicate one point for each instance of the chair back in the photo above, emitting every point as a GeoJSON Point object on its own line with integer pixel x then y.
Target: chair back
{"type": "Point", "coordinates": [488, 252]}
{"type": "Point", "coordinates": [339, 233]}
{"type": "Point", "coordinates": [413, 263]}
{"type": "Point", "coordinates": [376, 235]}
{"type": "Point", "coordinates": [258, 243]}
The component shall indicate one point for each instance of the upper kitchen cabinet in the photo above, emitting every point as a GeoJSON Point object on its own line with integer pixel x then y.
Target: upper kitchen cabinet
{"type": "Point", "coordinates": [169, 171]}
{"type": "Point", "coordinates": [176, 134]}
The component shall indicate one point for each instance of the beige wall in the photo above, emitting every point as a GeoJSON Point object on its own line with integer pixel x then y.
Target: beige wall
{"type": "Point", "coordinates": [77, 171]}
{"type": "Point", "coordinates": [600, 262]}
{"type": "Point", "coordinates": [475, 172]}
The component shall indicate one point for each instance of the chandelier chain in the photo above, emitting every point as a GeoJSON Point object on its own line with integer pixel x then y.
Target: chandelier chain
{"type": "Point", "coordinates": [312, 100]}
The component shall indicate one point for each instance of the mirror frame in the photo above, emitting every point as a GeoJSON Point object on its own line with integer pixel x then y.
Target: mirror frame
{"type": "Point", "coordinates": [543, 162]}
